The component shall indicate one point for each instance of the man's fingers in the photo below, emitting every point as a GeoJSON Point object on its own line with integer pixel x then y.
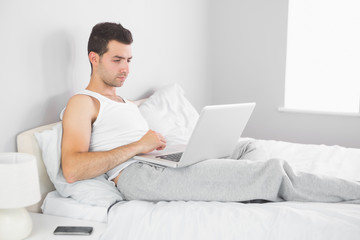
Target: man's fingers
{"type": "Point", "coordinates": [162, 147]}
{"type": "Point", "coordinates": [162, 142]}
{"type": "Point", "coordinates": [153, 140]}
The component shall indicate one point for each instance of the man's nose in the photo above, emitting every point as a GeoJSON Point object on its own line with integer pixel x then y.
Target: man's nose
{"type": "Point", "coordinates": [125, 67]}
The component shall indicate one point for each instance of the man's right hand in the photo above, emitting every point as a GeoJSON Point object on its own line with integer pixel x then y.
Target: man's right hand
{"type": "Point", "coordinates": [152, 141]}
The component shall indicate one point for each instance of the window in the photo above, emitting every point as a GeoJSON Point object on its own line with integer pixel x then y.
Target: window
{"type": "Point", "coordinates": [323, 56]}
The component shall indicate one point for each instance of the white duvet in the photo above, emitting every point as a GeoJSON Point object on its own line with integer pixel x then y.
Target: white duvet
{"type": "Point", "coordinates": [217, 220]}
{"type": "Point", "coordinates": [334, 161]}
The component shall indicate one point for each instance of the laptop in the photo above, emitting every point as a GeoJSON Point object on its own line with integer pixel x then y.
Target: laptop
{"type": "Point", "coordinates": [215, 135]}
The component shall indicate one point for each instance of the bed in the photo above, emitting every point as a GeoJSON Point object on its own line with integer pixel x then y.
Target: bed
{"type": "Point", "coordinates": [99, 200]}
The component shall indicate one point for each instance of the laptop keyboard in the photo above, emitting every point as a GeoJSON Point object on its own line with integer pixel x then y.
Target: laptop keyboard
{"type": "Point", "coordinates": [175, 157]}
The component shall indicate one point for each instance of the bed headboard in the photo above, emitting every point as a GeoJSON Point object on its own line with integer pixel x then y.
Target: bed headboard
{"type": "Point", "coordinates": [27, 143]}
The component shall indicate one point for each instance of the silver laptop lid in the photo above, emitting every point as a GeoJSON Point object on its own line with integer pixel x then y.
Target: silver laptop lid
{"type": "Point", "coordinates": [216, 132]}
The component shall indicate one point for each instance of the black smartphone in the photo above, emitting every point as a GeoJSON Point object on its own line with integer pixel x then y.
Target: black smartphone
{"type": "Point", "coordinates": [73, 230]}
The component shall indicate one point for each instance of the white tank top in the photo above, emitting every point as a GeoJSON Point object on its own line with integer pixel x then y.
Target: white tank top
{"type": "Point", "coordinates": [117, 124]}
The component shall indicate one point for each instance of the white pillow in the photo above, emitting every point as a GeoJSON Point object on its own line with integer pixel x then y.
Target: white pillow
{"type": "Point", "coordinates": [97, 191]}
{"type": "Point", "coordinates": [168, 112]}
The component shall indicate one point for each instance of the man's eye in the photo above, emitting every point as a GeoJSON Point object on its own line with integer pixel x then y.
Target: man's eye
{"type": "Point", "coordinates": [129, 60]}
{"type": "Point", "coordinates": [116, 60]}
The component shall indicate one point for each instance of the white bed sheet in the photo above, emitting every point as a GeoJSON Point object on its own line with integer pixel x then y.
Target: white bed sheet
{"type": "Point", "coordinates": [56, 205]}
{"type": "Point", "coordinates": [217, 220]}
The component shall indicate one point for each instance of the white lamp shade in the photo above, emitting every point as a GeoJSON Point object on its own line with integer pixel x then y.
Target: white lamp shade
{"type": "Point", "coordinates": [19, 180]}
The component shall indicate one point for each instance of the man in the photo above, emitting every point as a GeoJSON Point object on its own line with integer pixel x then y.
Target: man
{"type": "Point", "coordinates": [103, 131]}
{"type": "Point", "coordinates": [110, 56]}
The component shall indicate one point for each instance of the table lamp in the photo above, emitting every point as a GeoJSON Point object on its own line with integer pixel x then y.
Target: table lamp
{"type": "Point", "coordinates": [19, 188]}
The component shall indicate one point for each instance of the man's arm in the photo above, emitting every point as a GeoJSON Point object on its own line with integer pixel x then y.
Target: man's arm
{"type": "Point", "coordinates": [77, 162]}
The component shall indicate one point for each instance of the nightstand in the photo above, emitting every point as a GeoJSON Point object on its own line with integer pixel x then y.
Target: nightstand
{"type": "Point", "coordinates": [44, 226]}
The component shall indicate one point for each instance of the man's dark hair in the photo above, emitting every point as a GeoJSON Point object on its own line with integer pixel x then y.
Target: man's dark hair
{"type": "Point", "coordinates": [102, 33]}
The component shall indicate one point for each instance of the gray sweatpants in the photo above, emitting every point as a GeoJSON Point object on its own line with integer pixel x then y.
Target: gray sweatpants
{"type": "Point", "coordinates": [233, 180]}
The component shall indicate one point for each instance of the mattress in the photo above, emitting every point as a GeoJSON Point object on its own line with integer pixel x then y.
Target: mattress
{"type": "Point", "coordinates": [215, 220]}
{"type": "Point", "coordinates": [231, 220]}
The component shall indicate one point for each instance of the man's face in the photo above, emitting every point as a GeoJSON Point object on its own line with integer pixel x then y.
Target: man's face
{"type": "Point", "coordinates": [113, 67]}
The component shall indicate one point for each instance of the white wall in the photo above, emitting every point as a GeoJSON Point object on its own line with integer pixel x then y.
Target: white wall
{"type": "Point", "coordinates": [43, 48]}
{"type": "Point", "coordinates": [248, 39]}
{"type": "Point", "coordinates": [219, 51]}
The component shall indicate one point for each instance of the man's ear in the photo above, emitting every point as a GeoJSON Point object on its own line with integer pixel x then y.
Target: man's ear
{"type": "Point", "coordinates": [94, 58]}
